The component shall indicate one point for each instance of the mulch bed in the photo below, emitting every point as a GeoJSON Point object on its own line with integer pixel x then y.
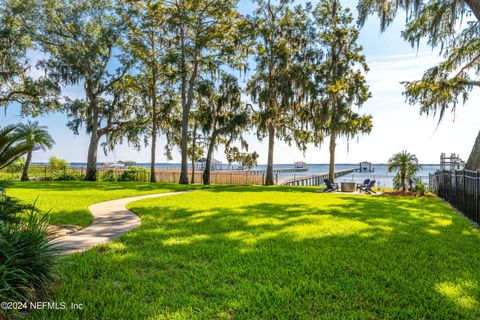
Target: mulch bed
{"type": "Point", "coordinates": [407, 194]}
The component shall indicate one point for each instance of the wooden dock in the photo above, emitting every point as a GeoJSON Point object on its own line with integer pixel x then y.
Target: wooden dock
{"type": "Point", "coordinates": [365, 170]}
{"type": "Point", "coordinates": [277, 171]}
{"type": "Point", "coordinates": [315, 179]}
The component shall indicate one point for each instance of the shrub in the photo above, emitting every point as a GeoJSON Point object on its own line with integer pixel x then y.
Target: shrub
{"type": "Point", "coordinates": [133, 174]}
{"type": "Point", "coordinates": [412, 182]}
{"type": "Point", "coordinates": [66, 176]}
{"type": "Point", "coordinates": [108, 176]}
{"type": "Point", "coordinates": [17, 164]}
{"type": "Point", "coordinates": [12, 171]}
{"type": "Point", "coordinates": [420, 188]}
{"type": "Point", "coordinates": [397, 182]}
{"type": "Point", "coordinates": [27, 258]}
{"type": "Point", "coordinates": [57, 164]}
{"type": "Point", "coordinates": [4, 184]}
{"type": "Point", "coordinates": [10, 209]}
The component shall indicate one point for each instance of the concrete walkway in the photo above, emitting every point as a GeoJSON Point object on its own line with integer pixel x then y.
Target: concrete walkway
{"type": "Point", "coordinates": [111, 220]}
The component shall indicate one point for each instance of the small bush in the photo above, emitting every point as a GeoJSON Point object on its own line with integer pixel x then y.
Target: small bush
{"type": "Point", "coordinates": [132, 174]}
{"type": "Point", "coordinates": [27, 258]}
{"type": "Point", "coordinates": [4, 184]}
{"type": "Point", "coordinates": [108, 176]}
{"type": "Point", "coordinates": [57, 164]}
{"type": "Point", "coordinates": [66, 176]}
{"type": "Point", "coordinates": [420, 188]}
{"type": "Point", "coordinates": [10, 208]}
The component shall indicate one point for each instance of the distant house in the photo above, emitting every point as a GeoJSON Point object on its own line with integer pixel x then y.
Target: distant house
{"type": "Point", "coordinates": [299, 165]}
{"type": "Point", "coordinates": [366, 166]}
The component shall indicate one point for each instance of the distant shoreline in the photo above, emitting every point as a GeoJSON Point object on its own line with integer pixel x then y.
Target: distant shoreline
{"type": "Point", "coordinates": [260, 164]}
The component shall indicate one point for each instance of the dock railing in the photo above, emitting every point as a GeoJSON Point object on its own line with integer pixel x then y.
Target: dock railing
{"type": "Point", "coordinates": [314, 179]}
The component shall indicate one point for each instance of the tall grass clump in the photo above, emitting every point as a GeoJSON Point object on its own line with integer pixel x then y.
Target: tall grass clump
{"type": "Point", "coordinates": [27, 258]}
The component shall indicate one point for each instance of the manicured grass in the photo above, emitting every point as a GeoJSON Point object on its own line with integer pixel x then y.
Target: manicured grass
{"type": "Point", "coordinates": [69, 201]}
{"type": "Point", "coordinates": [286, 253]}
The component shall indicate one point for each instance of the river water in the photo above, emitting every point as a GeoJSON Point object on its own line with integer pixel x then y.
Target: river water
{"type": "Point", "coordinates": [384, 179]}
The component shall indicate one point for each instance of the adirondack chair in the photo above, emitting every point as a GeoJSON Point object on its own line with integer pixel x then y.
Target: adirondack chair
{"type": "Point", "coordinates": [368, 188]}
{"type": "Point", "coordinates": [364, 183]}
{"type": "Point", "coordinates": [330, 186]}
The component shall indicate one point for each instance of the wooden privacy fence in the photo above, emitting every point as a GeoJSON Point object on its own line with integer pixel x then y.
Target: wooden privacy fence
{"type": "Point", "coordinates": [461, 188]}
{"type": "Point", "coordinates": [216, 177]}
{"type": "Point", "coordinates": [45, 172]}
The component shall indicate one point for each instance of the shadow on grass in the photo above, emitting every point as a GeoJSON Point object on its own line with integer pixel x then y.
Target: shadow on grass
{"type": "Point", "coordinates": [109, 186]}
{"type": "Point", "coordinates": [104, 186]}
{"type": "Point", "coordinates": [79, 217]}
{"type": "Point", "coordinates": [205, 255]}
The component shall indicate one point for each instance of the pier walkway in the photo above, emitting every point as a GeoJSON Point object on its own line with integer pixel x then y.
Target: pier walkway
{"type": "Point", "coordinates": [313, 180]}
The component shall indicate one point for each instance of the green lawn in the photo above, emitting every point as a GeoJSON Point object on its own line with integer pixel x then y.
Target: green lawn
{"type": "Point", "coordinates": [265, 253]}
{"type": "Point", "coordinates": [69, 201]}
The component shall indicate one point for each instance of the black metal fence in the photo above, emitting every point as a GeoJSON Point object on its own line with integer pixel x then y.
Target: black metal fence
{"type": "Point", "coordinates": [461, 188]}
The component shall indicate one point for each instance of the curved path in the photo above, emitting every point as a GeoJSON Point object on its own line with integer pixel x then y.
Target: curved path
{"type": "Point", "coordinates": [111, 219]}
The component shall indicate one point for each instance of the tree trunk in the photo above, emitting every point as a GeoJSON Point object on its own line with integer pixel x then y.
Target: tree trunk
{"type": "Point", "coordinates": [271, 144]}
{"type": "Point", "coordinates": [93, 119]}
{"type": "Point", "coordinates": [153, 177]}
{"type": "Point", "coordinates": [91, 174]}
{"type": "Point", "coordinates": [184, 148]}
{"type": "Point", "coordinates": [194, 141]}
{"type": "Point", "coordinates": [475, 7]}
{"type": "Point", "coordinates": [331, 168]}
{"type": "Point", "coordinates": [473, 162]}
{"type": "Point", "coordinates": [208, 160]}
{"type": "Point", "coordinates": [26, 166]}
{"type": "Point", "coordinates": [192, 179]}
{"type": "Point", "coordinates": [185, 111]}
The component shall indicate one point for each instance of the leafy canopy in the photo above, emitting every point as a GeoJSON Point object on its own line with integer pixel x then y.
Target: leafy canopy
{"type": "Point", "coordinates": [452, 26]}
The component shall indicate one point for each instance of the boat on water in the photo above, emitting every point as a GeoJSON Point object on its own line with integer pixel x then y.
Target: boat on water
{"type": "Point", "coordinates": [119, 164]}
{"type": "Point", "coordinates": [126, 163]}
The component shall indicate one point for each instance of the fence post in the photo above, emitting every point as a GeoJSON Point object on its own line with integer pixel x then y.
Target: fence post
{"type": "Point", "coordinates": [464, 205]}
{"type": "Point", "coordinates": [444, 185]}
{"type": "Point", "coordinates": [455, 187]}
{"type": "Point", "coordinates": [45, 172]}
{"type": "Point", "coordinates": [477, 195]}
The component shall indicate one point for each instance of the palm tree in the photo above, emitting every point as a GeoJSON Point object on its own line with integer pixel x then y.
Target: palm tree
{"type": "Point", "coordinates": [37, 137]}
{"type": "Point", "coordinates": [12, 146]}
{"type": "Point", "coordinates": [405, 164]}
{"type": "Point", "coordinates": [411, 176]}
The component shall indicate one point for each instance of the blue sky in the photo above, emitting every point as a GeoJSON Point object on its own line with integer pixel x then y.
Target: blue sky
{"type": "Point", "coordinates": [397, 125]}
